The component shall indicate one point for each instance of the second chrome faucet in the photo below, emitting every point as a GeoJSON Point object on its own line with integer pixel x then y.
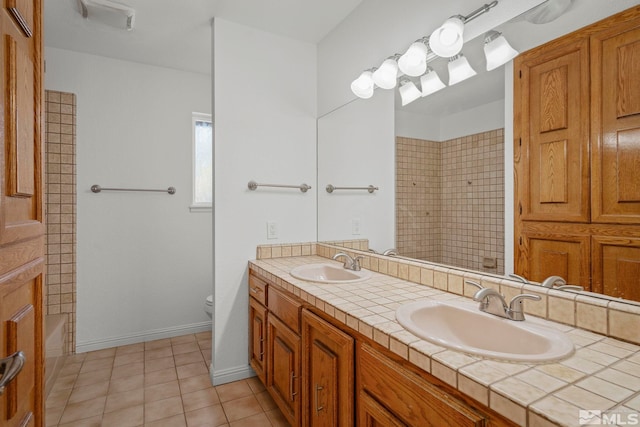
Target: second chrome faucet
{"type": "Point", "coordinates": [349, 263]}
{"type": "Point", "coordinates": [492, 302]}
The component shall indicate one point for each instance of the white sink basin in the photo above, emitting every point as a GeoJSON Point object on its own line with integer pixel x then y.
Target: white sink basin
{"type": "Point", "coordinates": [329, 273]}
{"type": "Point", "coordinates": [463, 327]}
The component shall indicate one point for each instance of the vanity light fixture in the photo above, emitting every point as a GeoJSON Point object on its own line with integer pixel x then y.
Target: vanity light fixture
{"type": "Point", "coordinates": [363, 86]}
{"type": "Point", "coordinates": [446, 41]}
{"type": "Point", "coordinates": [409, 92]}
{"type": "Point", "coordinates": [430, 82]}
{"type": "Point", "coordinates": [459, 69]}
{"type": "Point", "coordinates": [497, 50]}
{"type": "Point", "coordinates": [386, 76]}
{"type": "Point", "coordinates": [414, 61]}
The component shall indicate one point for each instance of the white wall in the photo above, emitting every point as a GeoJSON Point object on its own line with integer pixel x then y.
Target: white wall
{"type": "Point", "coordinates": [356, 148]}
{"type": "Point", "coordinates": [144, 261]}
{"type": "Point", "coordinates": [265, 109]}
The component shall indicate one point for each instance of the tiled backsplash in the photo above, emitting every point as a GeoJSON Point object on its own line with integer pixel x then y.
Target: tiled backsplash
{"type": "Point", "coordinates": [450, 200]}
{"type": "Point", "coordinates": [60, 208]}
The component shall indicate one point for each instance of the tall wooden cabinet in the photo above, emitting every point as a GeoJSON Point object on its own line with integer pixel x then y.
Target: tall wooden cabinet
{"type": "Point", "coordinates": [577, 158]}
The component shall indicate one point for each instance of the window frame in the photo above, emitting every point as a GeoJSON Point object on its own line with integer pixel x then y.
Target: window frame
{"type": "Point", "coordinates": [198, 206]}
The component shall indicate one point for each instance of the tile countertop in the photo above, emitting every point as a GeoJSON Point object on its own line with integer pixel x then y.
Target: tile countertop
{"type": "Point", "coordinates": [603, 374]}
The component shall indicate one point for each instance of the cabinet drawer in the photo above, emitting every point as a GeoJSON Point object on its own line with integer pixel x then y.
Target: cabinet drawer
{"type": "Point", "coordinates": [258, 289]}
{"type": "Point", "coordinates": [285, 308]}
{"type": "Point", "coordinates": [411, 398]}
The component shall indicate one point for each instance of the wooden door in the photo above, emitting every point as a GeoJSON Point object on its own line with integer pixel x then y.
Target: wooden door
{"type": "Point", "coordinates": [327, 372]}
{"type": "Point", "coordinates": [615, 59]}
{"type": "Point", "coordinates": [283, 374]}
{"type": "Point", "coordinates": [373, 414]}
{"type": "Point", "coordinates": [21, 211]}
{"type": "Point", "coordinates": [616, 266]}
{"type": "Point", "coordinates": [257, 337]}
{"type": "Point", "coordinates": [552, 133]}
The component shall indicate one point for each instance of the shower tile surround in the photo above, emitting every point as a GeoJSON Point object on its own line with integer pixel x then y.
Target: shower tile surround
{"type": "Point", "coordinates": [450, 200]}
{"type": "Point", "coordinates": [60, 208]}
{"type": "Point", "coordinates": [603, 374]}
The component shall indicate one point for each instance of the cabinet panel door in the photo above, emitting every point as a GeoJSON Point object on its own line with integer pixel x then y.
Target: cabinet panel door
{"type": "Point", "coordinates": [327, 373]}
{"type": "Point", "coordinates": [257, 337]}
{"type": "Point", "coordinates": [283, 374]}
{"type": "Point", "coordinates": [616, 266]}
{"type": "Point", "coordinates": [615, 62]}
{"type": "Point", "coordinates": [373, 414]}
{"type": "Point", "coordinates": [557, 254]}
{"type": "Point", "coordinates": [552, 169]}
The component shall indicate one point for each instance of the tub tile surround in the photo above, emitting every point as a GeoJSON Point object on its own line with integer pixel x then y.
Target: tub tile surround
{"type": "Point", "coordinates": [603, 374]}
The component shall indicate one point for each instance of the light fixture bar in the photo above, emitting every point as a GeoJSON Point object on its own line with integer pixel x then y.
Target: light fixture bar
{"type": "Point", "coordinates": [479, 11]}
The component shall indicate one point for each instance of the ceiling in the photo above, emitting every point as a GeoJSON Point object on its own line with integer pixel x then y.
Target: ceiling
{"type": "Point", "coordinates": [177, 33]}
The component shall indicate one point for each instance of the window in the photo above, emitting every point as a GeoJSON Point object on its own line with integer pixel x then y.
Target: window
{"type": "Point", "coordinates": [202, 162]}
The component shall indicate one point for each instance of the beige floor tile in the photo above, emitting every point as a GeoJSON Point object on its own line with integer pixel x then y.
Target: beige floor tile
{"type": "Point", "coordinates": [93, 377]}
{"type": "Point", "coordinates": [128, 417]}
{"type": "Point", "coordinates": [159, 377]}
{"type": "Point", "coordinates": [205, 345]}
{"type": "Point", "coordinates": [234, 390]}
{"type": "Point", "coordinates": [277, 419]}
{"type": "Point", "coordinates": [64, 382]}
{"type": "Point", "coordinates": [126, 399]}
{"type": "Point", "coordinates": [211, 416]}
{"type": "Point", "coordinates": [187, 358]}
{"type": "Point", "coordinates": [241, 408]}
{"type": "Point", "coordinates": [86, 409]}
{"type": "Point", "coordinates": [164, 408]}
{"type": "Point", "coordinates": [94, 365]}
{"type": "Point", "coordinates": [152, 345]}
{"type": "Point", "coordinates": [258, 420]}
{"type": "Point", "coordinates": [200, 399]}
{"type": "Point", "coordinates": [159, 364]}
{"type": "Point", "coordinates": [81, 394]}
{"type": "Point", "coordinates": [191, 370]}
{"type": "Point", "coordinates": [265, 400]}
{"type": "Point", "coordinates": [198, 382]}
{"type": "Point", "coordinates": [58, 398]}
{"type": "Point", "coordinates": [158, 353]}
{"type": "Point", "coordinates": [120, 385]}
{"type": "Point", "coordinates": [206, 335]}
{"type": "Point", "coordinates": [175, 421]}
{"type": "Point", "coordinates": [95, 421]}
{"type": "Point", "coordinates": [70, 369]}
{"type": "Point", "coordinates": [161, 391]}
{"type": "Point", "coordinates": [255, 384]}
{"type": "Point", "coordinates": [129, 370]}
{"type": "Point", "coordinates": [99, 354]}
{"type": "Point", "coordinates": [128, 358]}
{"type": "Point", "coordinates": [183, 339]}
{"type": "Point", "coordinates": [53, 415]}
{"type": "Point", "coordinates": [127, 349]}
{"type": "Point", "coordinates": [75, 358]}
{"type": "Point", "coordinates": [186, 348]}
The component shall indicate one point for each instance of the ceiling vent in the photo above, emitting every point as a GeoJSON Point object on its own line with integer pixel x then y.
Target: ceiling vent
{"type": "Point", "coordinates": [108, 12]}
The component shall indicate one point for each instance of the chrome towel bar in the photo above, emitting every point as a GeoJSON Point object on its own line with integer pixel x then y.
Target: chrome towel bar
{"type": "Point", "coordinates": [96, 189]}
{"type": "Point", "coordinates": [302, 187]}
{"type": "Point", "coordinates": [370, 188]}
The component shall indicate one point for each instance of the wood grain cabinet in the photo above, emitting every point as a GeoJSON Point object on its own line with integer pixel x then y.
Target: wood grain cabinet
{"type": "Point", "coordinates": [576, 156]}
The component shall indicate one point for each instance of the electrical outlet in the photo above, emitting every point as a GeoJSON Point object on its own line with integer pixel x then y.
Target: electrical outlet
{"type": "Point", "coordinates": [355, 226]}
{"type": "Point", "coordinates": [272, 230]}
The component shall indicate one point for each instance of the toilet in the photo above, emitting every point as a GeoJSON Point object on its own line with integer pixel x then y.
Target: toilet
{"type": "Point", "coordinates": [208, 306]}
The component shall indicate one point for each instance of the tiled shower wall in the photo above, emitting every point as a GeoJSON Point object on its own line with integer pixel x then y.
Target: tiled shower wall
{"type": "Point", "coordinates": [60, 208]}
{"type": "Point", "coordinates": [450, 200]}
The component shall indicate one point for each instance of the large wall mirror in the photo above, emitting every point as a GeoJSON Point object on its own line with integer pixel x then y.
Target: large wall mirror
{"type": "Point", "coordinates": [443, 163]}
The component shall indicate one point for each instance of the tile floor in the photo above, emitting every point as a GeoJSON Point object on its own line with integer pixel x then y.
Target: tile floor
{"type": "Point", "coordinates": [161, 383]}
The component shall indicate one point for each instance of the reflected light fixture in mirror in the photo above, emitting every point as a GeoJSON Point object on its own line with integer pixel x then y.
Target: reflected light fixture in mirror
{"type": "Point", "coordinates": [431, 82]}
{"type": "Point", "coordinates": [414, 61]}
{"type": "Point", "coordinates": [409, 92]}
{"type": "Point", "coordinates": [459, 69]}
{"type": "Point", "coordinates": [363, 86]}
{"type": "Point", "coordinates": [386, 76]}
{"type": "Point", "coordinates": [497, 50]}
{"type": "Point", "coordinates": [446, 40]}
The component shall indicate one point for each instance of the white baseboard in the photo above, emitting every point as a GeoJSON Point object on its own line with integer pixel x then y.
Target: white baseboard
{"type": "Point", "coordinates": [224, 376]}
{"type": "Point", "coordinates": [156, 334]}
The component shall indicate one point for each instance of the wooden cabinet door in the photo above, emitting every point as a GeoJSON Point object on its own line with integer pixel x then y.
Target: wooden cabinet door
{"type": "Point", "coordinates": [616, 266]}
{"type": "Point", "coordinates": [21, 210]}
{"type": "Point", "coordinates": [373, 414]}
{"type": "Point", "coordinates": [615, 59]}
{"type": "Point", "coordinates": [283, 373]}
{"type": "Point", "coordinates": [327, 373]}
{"type": "Point", "coordinates": [552, 133]}
{"type": "Point", "coordinates": [257, 337]}
{"type": "Point", "coordinates": [557, 254]}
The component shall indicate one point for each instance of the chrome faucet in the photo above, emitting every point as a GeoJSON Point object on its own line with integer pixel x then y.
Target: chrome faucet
{"type": "Point", "coordinates": [519, 278]}
{"type": "Point", "coordinates": [492, 302]}
{"type": "Point", "coordinates": [390, 252]}
{"type": "Point", "coordinates": [349, 263]}
{"type": "Point", "coordinates": [557, 282]}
